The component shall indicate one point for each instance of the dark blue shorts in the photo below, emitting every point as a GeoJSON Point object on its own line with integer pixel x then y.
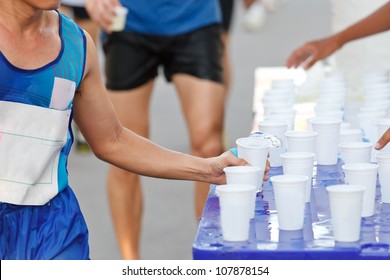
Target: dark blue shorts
{"type": "Point", "coordinates": [56, 230]}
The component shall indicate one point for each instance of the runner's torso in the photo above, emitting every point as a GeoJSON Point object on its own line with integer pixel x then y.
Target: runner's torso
{"type": "Point", "coordinates": [35, 116]}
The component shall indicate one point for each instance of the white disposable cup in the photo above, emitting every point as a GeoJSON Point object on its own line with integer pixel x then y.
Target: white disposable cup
{"type": "Point", "coordinates": [356, 152]}
{"type": "Point", "coordinates": [245, 175]}
{"type": "Point", "coordinates": [283, 84]}
{"type": "Point", "coordinates": [345, 210]}
{"type": "Point", "coordinates": [119, 20]}
{"type": "Point", "coordinates": [327, 140]}
{"type": "Point", "coordinates": [289, 193]}
{"type": "Point", "coordinates": [345, 125]}
{"type": "Point", "coordinates": [235, 202]}
{"type": "Point", "coordinates": [277, 128]}
{"type": "Point", "coordinates": [375, 107]}
{"type": "Point", "coordinates": [299, 163]}
{"type": "Point", "coordinates": [382, 126]}
{"type": "Point", "coordinates": [254, 151]}
{"type": "Point", "coordinates": [383, 161]}
{"type": "Point", "coordinates": [366, 122]}
{"type": "Point", "coordinates": [324, 107]}
{"type": "Point", "coordinates": [301, 141]}
{"type": "Point", "coordinates": [331, 114]}
{"type": "Point", "coordinates": [350, 135]}
{"type": "Point", "coordinates": [289, 117]}
{"type": "Point", "coordinates": [363, 174]}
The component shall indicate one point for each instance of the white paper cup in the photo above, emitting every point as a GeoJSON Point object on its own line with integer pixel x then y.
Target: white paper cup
{"type": "Point", "coordinates": [382, 125]}
{"type": "Point", "coordinates": [327, 140]}
{"type": "Point", "coordinates": [119, 20]}
{"type": "Point", "coordinates": [301, 141]}
{"type": "Point", "coordinates": [356, 152]}
{"type": "Point", "coordinates": [383, 161]}
{"type": "Point", "coordinates": [254, 151]}
{"type": "Point", "coordinates": [350, 135]}
{"type": "Point", "coordinates": [345, 210]}
{"type": "Point", "coordinates": [289, 193]}
{"type": "Point", "coordinates": [244, 175]}
{"type": "Point", "coordinates": [234, 202]}
{"type": "Point", "coordinates": [363, 174]}
{"type": "Point", "coordinates": [299, 163]}
{"type": "Point", "coordinates": [366, 123]}
{"type": "Point", "coordinates": [277, 128]}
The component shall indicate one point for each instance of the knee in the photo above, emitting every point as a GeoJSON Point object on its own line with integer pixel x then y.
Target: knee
{"type": "Point", "coordinates": [208, 147]}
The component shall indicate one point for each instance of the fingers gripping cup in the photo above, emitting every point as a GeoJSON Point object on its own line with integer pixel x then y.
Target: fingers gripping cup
{"type": "Point", "coordinates": [119, 20]}
{"type": "Point", "coordinates": [254, 150]}
{"type": "Point", "coordinates": [235, 202]}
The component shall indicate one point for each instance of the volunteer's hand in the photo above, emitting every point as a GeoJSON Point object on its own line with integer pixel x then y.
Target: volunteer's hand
{"type": "Point", "coordinates": [102, 12]}
{"type": "Point", "coordinates": [311, 52]}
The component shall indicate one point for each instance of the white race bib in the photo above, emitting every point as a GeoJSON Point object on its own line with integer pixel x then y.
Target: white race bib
{"type": "Point", "coordinates": [31, 139]}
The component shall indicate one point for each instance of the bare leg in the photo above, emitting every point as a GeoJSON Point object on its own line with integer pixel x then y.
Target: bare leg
{"type": "Point", "coordinates": [124, 188]}
{"type": "Point", "coordinates": [203, 107]}
{"type": "Point", "coordinates": [226, 63]}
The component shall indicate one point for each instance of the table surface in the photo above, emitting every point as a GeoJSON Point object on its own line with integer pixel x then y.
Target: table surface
{"type": "Point", "coordinates": [315, 241]}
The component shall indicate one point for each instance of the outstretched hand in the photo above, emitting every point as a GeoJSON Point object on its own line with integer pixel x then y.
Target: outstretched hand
{"type": "Point", "coordinates": [311, 52]}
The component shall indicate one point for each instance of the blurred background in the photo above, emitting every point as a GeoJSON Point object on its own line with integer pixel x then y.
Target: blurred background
{"type": "Point", "coordinates": [169, 224]}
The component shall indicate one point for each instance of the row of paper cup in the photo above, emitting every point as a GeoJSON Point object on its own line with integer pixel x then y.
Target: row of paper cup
{"type": "Point", "coordinates": [292, 190]}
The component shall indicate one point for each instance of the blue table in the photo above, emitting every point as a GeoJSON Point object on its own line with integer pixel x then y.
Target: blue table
{"type": "Point", "coordinates": [315, 241]}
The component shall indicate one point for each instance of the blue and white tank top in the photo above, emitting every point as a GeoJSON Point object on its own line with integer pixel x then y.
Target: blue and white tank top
{"type": "Point", "coordinates": [35, 117]}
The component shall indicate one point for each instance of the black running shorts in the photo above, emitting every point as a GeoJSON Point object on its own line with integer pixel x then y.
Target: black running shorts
{"type": "Point", "coordinates": [132, 59]}
{"type": "Point", "coordinates": [227, 7]}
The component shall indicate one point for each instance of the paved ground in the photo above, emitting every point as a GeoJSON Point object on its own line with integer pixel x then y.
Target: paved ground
{"type": "Point", "coordinates": [169, 226]}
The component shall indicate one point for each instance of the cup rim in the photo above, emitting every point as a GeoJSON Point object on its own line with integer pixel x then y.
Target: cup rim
{"type": "Point", "coordinates": [297, 155]}
{"type": "Point", "coordinates": [241, 169]}
{"type": "Point", "coordinates": [383, 156]}
{"type": "Point", "coordinates": [345, 188]}
{"type": "Point", "coordinates": [355, 145]}
{"type": "Point", "coordinates": [359, 166]}
{"type": "Point", "coordinates": [301, 134]}
{"type": "Point", "coordinates": [289, 178]}
{"type": "Point", "coordinates": [264, 144]}
{"type": "Point", "coordinates": [235, 188]}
